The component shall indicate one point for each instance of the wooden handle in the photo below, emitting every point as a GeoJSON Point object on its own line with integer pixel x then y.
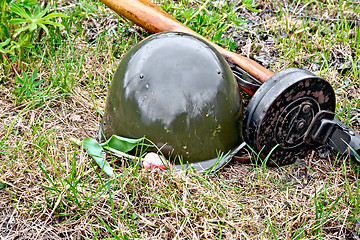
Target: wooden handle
{"type": "Point", "coordinates": [153, 19]}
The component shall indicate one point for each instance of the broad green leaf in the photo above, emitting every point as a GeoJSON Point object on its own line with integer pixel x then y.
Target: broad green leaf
{"type": "Point", "coordinates": [95, 151]}
{"type": "Point", "coordinates": [2, 185]}
{"type": "Point", "coordinates": [122, 144]}
{"type": "Point", "coordinates": [118, 153]}
{"type": "Point", "coordinates": [116, 144]}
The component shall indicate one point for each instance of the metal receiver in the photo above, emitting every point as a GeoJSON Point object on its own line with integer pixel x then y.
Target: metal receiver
{"type": "Point", "coordinates": [291, 114]}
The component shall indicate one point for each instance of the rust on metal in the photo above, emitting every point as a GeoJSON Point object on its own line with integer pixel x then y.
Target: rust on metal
{"type": "Point", "coordinates": [281, 111]}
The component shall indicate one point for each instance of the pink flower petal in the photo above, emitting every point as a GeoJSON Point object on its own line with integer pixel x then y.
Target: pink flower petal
{"type": "Point", "coordinates": [154, 161]}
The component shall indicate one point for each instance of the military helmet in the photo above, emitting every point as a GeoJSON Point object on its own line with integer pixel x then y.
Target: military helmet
{"type": "Point", "coordinates": [179, 92]}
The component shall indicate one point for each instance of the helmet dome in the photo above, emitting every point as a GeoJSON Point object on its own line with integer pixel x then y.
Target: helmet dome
{"type": "Point", "coordinates": [176, 90]}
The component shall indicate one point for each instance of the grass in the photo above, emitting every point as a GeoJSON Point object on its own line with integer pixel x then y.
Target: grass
{"type": "Point", "coordinates": [50, 188]}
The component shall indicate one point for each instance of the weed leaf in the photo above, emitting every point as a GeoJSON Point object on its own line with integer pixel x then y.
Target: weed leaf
{"type": "Point", "coordinates": [121, 144]}
{"type": "Point", "coordinates": [18, 10]}
{"type": "Point", "coordinates": [95, 151]}
{"type": "Point", "coordinates": [22, 29]}
{"type": "Point", "coordinates": [44, 27]}
{"type": "Point", "coordinates": [53, 15]}
{"type": "Point", "coordinates": [17, 21]}
{"type": "Point", "coordinates": [35, 19]}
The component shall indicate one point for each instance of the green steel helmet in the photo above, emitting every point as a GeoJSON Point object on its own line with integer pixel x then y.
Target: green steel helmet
{"type": "Point", "coordinates": [179, 92]}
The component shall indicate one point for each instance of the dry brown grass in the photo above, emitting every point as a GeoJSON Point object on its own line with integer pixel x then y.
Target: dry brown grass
{"type": "Point", "coordinates": [242, 197]}
{"type": "Point", "coordinates": [66, 198]}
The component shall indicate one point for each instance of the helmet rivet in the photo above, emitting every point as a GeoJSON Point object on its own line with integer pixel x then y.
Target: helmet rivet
{"type": "Point", "coordinates": [141, 76]}
{"type": "Point", "coordinates": [218, 71]}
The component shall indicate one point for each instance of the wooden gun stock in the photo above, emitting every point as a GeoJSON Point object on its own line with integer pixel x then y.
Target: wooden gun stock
{"type": "Point", "coordinates": [153, 19]}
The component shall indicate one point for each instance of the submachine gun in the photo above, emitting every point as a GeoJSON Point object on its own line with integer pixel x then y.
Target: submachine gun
{"type": "Point", "coordinates": [290, 112]}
